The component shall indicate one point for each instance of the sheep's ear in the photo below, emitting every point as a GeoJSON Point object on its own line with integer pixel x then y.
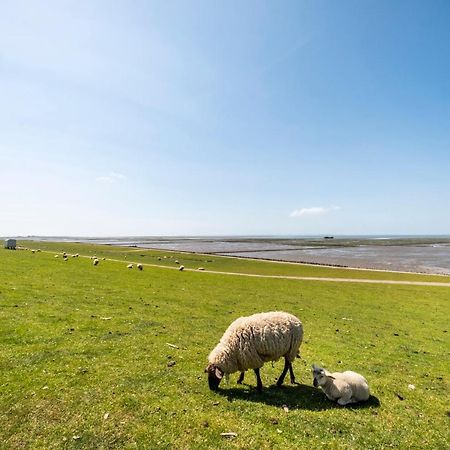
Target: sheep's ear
{"type": "Point", "coordinates": [218, 373]}
{"type": "Point", "coordinates": [329, 376]}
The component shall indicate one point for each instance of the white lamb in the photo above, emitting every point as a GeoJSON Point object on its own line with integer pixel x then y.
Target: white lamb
{"type": "Point", "coordinates": [139, 266]}
{"type": "Point", "coordinates": [346, 387]}
{"type": "Point", "coordinates": [251, 341]}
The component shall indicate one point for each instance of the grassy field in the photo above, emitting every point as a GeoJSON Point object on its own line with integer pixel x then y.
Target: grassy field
{"type": "Point", "coordinates": [85, 361]}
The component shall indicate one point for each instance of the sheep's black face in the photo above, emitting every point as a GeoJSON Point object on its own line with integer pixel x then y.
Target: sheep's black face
{"type": "Point", "coordinates": [315, 382]}
{"type": "Point", "coordinates": [215, 376]}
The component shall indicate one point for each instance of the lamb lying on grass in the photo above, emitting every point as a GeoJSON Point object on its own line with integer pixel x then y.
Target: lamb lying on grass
{"type": "Point", "coordinates": [251, 341]}
{"type": "Point", "coordinates": [346, 387]}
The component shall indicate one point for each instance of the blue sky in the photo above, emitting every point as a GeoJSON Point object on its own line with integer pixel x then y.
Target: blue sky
{"type": "Point", "coordinates": [205, 118]}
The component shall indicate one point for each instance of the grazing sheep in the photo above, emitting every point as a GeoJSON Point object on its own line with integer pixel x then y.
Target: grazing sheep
{"type": "Point", "coordinates": [251, 341]}
{"type": "Point", "coordinates": [56, 256]}
{"type": "Point", "coordinates": [181, 267]}
{"type": "Point", "coordinates": [139, 266]}
{"type": "Point", "coordinates": [159, 258]}
{"type": "Point", "coordinates": [201, 268]}
{"type": "Point", "coordinates": [346, 387]}
{"type": "Point", "coordinates": [95, 262]}
{"type": "Point", "coordinates": [130, 266]}
{"type": "Point", "coordinates": [177, 262]}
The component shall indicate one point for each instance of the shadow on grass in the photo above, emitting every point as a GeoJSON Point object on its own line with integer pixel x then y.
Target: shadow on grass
{"type": "Point", "coordinates": [300, 396]}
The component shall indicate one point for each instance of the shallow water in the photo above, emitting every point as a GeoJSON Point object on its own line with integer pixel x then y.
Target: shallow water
{"type": "Point", "coordinates": [427, 259]}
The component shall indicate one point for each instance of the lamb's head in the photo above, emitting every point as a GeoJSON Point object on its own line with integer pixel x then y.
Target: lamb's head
{"type": "Point", "coordinates": [320, 376]}
{"type": "Point", "coordinates": [215, 376]}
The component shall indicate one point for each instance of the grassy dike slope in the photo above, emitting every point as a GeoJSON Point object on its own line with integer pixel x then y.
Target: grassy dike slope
{"type": "Point", "coordinates": [85, 362]}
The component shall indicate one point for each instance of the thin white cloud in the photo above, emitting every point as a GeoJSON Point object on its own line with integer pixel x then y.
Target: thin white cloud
{"type": "Point", "coordinates": [112, 177]}
{"type": "Point", "coordinates": [314, 211]}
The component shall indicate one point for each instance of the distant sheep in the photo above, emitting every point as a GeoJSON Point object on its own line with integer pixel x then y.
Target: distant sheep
{"type": "Point", "coordinates": [251, 341]}
{"type": "Point", "coordinates": [177, 262]}
{"type": "Point", "coordinates": [139, 266]}
{"type": "Point", "coordinates": [181, 267]}
{"type": "Point", "coordinates": [130, 266]}
{"type": "Point", "coordinates": [56, 256]}
{"type": "Point", "coordinates": [201, 268]}
{"type": "Point", "coordinates": [95, 262]}
{"type": "Point", "coordinates": [345, 388]}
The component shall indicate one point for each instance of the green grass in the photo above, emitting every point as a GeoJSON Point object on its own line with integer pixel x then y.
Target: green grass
{"type": "Point", "coordinates": [85, 362]}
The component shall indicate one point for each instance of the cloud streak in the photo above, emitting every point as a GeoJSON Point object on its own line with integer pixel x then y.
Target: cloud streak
{"type": "Point", "coordinates": [314, 211]}
{"type": "Point", "coordinates": [112, 177]}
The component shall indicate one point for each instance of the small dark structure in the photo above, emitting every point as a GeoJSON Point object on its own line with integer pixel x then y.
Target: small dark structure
{"type": "Point", "coordinates": [328, 237]}
{"type": "Point", "coordinates": [10, 244]}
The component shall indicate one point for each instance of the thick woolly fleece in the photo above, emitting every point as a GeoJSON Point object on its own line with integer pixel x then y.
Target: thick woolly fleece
{"type": "Point", "coordinates": [251, 341]}
{"type": "Point", "coordinates": [347, 387]}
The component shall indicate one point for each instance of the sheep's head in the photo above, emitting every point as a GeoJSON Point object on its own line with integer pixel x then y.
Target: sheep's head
{"type": "Point", "coordinates": [215, 376]}
{"type": "Point", "coordinates": [320, 375]}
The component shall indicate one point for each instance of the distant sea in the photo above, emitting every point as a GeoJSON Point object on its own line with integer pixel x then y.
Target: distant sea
{"type": "Point", "coordinates": [423, 254]}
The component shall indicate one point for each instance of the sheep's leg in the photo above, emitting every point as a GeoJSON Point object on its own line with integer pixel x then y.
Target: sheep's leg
{"type": "Point", "coordinates": [258, 380]}
{"type": "Point", "coordinates": [241, 378]}
{"type": "Point", "coordinates": [291, 373]}
{"type": "Point", "coordinates": [345, 399]}
{"type": "Point", "coordinates": [283, 374]}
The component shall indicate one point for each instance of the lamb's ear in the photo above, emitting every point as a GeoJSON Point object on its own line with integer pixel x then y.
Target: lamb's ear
{"type": "Point", "coordinates": [218, 373]}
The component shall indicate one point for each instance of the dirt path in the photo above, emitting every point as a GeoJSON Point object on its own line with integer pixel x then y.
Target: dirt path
{"type": "Point", "coordinates": [284, 277]}
{"type": "Point", "coordinates": [342, 280]}
{"type": "Point", "coordinates": [288, 277]}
